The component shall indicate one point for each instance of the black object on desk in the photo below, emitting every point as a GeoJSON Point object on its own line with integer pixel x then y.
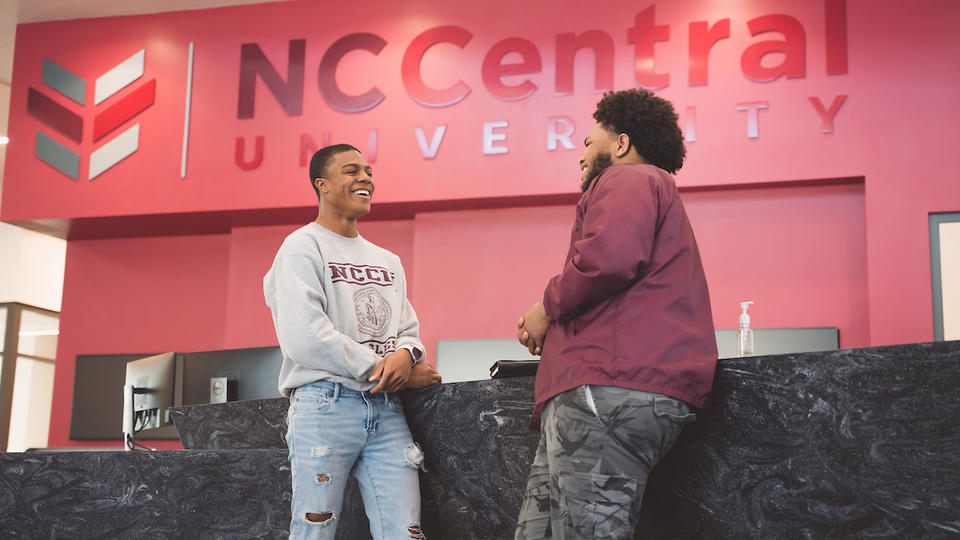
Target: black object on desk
{"type": "Point", "coordinates": [502, 369]}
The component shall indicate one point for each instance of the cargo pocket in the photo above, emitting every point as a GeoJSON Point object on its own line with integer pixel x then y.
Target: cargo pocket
{"type": "Point", "coordinates": [534, 518]}
{"type": "Point", "coordinates": [673, 409]}
{"type": "Point", "coordinates": [597, 505]}
{"type": "Point", "coordinates": [672, 414]}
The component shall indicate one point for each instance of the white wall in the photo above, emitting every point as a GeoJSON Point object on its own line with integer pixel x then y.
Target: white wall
{"type": "Point", "coordinates": [950, 278]}
{"type": "Point", "coordinates": [30, 411]}
{"type": "Point", "coordinates": [31, 267]}
{"type": "Point", "coordinates": [31, 272]}
{"type": "Point", "coordinates": [9, 261]}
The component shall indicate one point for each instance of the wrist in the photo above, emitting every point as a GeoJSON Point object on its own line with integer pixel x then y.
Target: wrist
{"type": "Point", "coordinates": [416, 355]}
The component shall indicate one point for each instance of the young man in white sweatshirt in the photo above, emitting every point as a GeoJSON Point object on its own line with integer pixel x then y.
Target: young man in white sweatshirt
{"type": "Point", "coordinates": [350, 341]}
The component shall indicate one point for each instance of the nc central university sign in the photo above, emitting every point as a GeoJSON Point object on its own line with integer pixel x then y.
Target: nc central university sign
{"type": "Point", "coordinates": [509, 68]}
{"type": "Point", "coordinates": [458, 103]}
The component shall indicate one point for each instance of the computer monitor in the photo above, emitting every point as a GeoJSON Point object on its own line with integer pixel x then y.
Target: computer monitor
{"type": "Point", "coordinates": [149, 390]}
{"type": "Point", "coordinates": [251, 373]}
{"type": "Point", "coordinates": [97, 404]}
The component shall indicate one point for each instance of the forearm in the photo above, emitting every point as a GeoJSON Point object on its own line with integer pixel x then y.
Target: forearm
{"type": "Point", "coordinates": [322, 347]}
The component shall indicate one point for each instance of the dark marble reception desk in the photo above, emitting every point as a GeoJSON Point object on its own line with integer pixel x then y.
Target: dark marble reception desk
{"type": "Point", "coordinates": [858, 443]}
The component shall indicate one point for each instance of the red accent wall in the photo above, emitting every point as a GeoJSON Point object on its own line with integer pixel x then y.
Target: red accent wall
{"type": "Point", "coordinates": [777, 217]}
{"type": "Point", "coordinates": [798, 252]}
{"type": "Point", "coordinates": [137, 295]}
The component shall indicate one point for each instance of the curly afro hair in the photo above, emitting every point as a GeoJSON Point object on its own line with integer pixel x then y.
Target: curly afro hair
{"type": "Point", "coordinates": [649, 121]}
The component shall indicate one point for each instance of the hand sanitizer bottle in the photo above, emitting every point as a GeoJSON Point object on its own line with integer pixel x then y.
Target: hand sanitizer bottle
{"type": "Point", "coordinates": [744, 333]}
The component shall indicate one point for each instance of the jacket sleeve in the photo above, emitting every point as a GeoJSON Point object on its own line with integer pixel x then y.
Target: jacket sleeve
{"type": "Point", "coordinates": [408, 333]}
{"type": "Point", "coordinates": [305, 332]}
{"type": "Point", "coordinates": [619, 223]}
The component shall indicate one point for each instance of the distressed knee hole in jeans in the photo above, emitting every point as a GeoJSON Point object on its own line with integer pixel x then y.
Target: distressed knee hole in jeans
{"type": "Point", "coordinates": [320, 451]}
{"type": "Point", "coordinates": [413, 456]}
{"type": "Point", "coordinates": [323, 478]}
{"type": "Point", "coordinates": [415, 532]}
{"type": "Point", "coordinates": [321, 518]}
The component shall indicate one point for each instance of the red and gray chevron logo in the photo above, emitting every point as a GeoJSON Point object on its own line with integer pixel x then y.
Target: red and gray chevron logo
{"type": "Point", "coordinates": [107, 117]}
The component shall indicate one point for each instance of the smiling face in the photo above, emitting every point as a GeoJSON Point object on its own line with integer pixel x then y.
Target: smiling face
{"type": "Point", "coordinates": [347, 186]}
{"type": "Point", "coordinates": [599, 148]}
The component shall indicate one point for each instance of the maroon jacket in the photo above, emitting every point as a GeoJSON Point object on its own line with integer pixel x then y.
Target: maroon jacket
{"type": "Point", "coordinates": [631, 306]}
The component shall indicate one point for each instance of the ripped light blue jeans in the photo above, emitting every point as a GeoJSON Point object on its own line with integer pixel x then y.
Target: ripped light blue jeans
{"type": "Point", "coordinates": [333, 432]}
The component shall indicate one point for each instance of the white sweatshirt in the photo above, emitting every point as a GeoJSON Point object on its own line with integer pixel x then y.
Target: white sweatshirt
{"type": "Point", "coordinates": [339, 305]}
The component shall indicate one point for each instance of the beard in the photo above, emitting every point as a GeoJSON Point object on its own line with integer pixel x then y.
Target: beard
{"type": "Point", "coordinates": [601, 162]}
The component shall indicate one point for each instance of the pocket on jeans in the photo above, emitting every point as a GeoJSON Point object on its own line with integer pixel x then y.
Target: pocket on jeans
{"type": "Point", "coordinates": [599, 506]}
{"type": "Point", "coordinates": [673, 409]}
{"type": "Point", "coordinates": [310, 400]}
{"type": "Point", "coordinates": [538, 489]}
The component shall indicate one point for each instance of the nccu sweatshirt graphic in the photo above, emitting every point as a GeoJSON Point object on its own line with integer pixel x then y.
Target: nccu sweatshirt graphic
{"type": "Point", "coordinates": [339, 305]}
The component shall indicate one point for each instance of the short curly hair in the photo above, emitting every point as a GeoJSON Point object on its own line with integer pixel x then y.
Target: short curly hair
{"type": "Point", "coordinates": [649, 121]}
{"type": "Point", "coordinates": [321, 161]}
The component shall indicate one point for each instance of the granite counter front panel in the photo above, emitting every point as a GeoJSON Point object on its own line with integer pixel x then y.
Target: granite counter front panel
{"type": "Point", "coordinates": [191, 494]}
{"type": "Point", "coordinates": [859, 443]}
{"type": "Point", "coordinates": [841, 444]}
{"type": "Point", "coordinates": [478, 452]}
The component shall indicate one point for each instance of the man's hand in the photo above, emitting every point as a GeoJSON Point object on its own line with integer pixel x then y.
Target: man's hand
{"type": "Point", "coordinates": [532, 328]}
{"type": "Point", "coordinates": [393, 371]}
{"type": "Point", "coordinates": [423, 375]}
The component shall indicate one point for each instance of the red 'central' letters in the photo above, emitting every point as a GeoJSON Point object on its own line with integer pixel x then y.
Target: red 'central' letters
{"type": "Point", "coordinates": [644, 36]}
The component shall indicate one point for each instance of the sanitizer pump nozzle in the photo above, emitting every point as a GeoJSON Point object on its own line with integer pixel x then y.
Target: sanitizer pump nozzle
{"type": "Point", "coordinates": [744, 333]}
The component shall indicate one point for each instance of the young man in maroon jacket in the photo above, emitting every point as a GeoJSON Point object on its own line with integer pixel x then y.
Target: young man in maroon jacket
{"type": "Point", "coordinates": [625, 330]}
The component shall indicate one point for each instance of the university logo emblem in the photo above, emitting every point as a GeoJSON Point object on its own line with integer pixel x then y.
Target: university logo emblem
{"type": "Point", "coordinates": [373, 312]}
{"type": "Point", "coordinates": [108, 116]}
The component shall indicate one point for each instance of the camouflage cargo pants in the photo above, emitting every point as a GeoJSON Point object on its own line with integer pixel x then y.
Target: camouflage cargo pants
{"type": "Point", "coordinates": [597, 446]}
